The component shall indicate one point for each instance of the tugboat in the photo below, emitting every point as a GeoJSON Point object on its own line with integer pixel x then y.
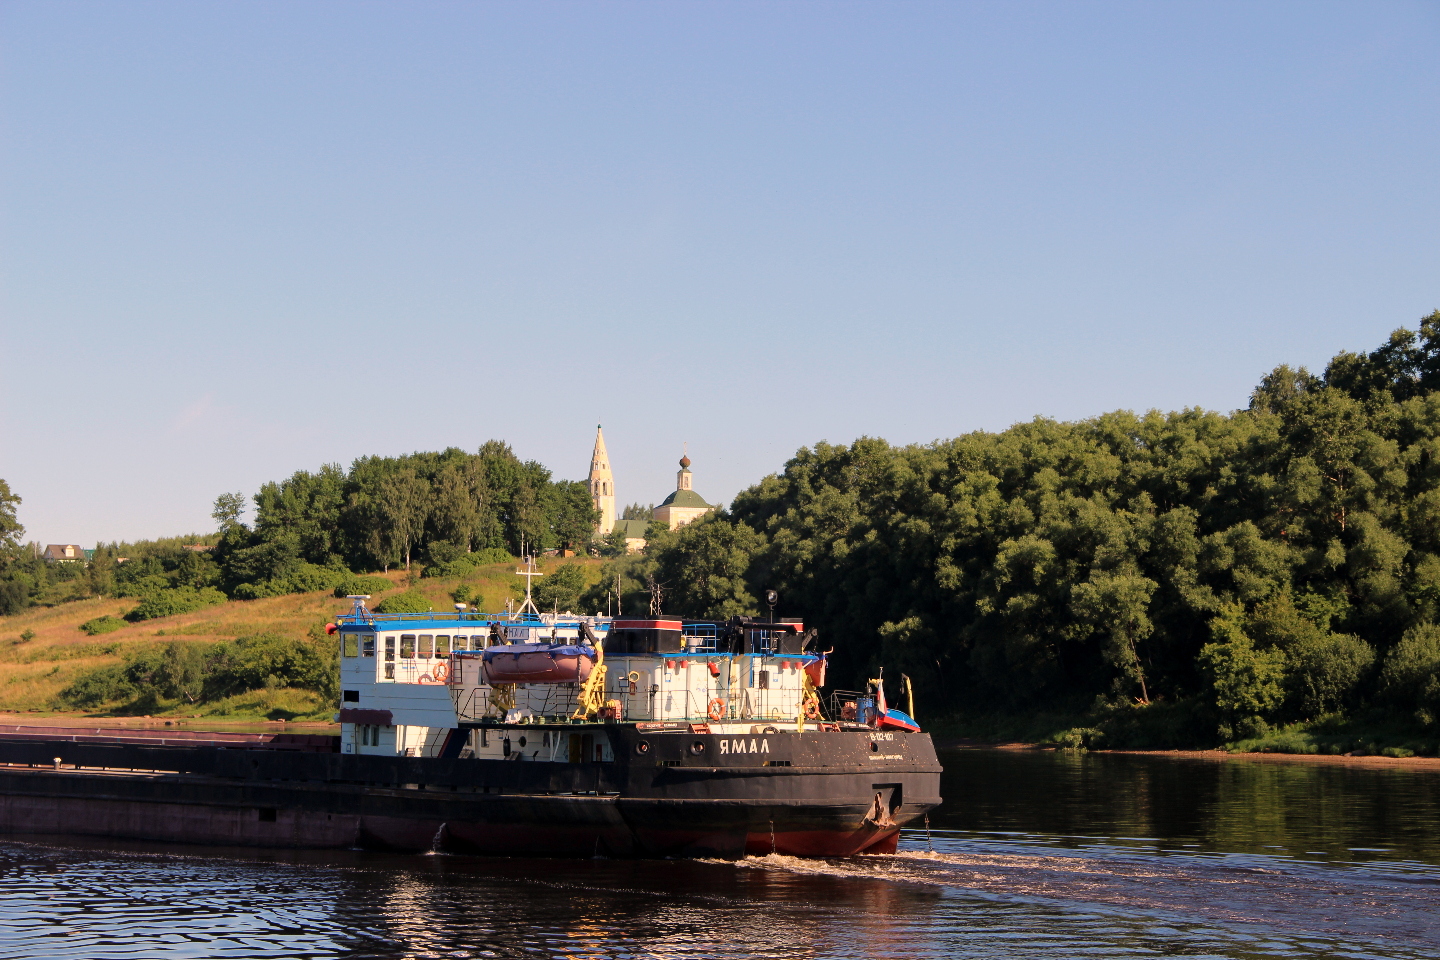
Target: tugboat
{"type": "Point", "coordinates": [522, 734]}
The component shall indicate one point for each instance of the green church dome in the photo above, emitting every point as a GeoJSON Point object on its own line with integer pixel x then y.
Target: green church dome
{"type": "Point", "coordinates": [685, 498]}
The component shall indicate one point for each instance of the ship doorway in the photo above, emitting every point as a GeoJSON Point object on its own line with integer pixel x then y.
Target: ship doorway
{"type": "Point", "coordinates": [583, 748]}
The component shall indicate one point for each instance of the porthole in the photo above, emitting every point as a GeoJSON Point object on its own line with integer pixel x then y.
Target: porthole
{"type": "Point", "coordinates": [522, 743]}
{"type": "Point", "coordinates": [642, 747]}
{"type": "Point", "coordinates": [874, 747]}
{"type": "Point", "coordinates": [698, 747]}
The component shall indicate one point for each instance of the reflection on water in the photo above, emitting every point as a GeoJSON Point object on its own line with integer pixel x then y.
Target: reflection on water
{"type": "Point", "coordinates": [1309, 810]}
{"type": "Point", "coordinates": [1035, 855]}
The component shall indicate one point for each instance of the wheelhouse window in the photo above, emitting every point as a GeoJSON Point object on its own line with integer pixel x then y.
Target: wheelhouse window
{"type": "Point", "coordinates": [351, 644]}
{"type": "Point", "coordinates": [461, 643]}
{"type": "Point", "coordinates": [426, 645]}
{"type": "Point", "coordinates": [442, 647]}
{"type": "Point", "coordinates": [390, 647]}
{"type": "Point", "coordinates": [407, 646]}
{"type": "Point", "coordinates": [367, 644]}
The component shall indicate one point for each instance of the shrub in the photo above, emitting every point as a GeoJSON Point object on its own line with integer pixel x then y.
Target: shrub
{"type": "Point", "coordinates": [1280, 741]}
{"type": "Point", "coordinates": [465, 563]}
{"type": "Point", "coordinates": [14, 596]}
{"type": "Point", "coordinates": [362, 586]}
{"type": "Point", "coordinates": [489, 555]}
{"type": "Point", "coordinates": [167, 603]}
{"type": "Point", "coordinates": [99, 686]}
{"type": "Point", "coordinates": [200, 672]}
{"type": "Point", "coordinates": [1244, 682]}
{"type": "Point", "coordinates": [468, 595]}
{"type": "Point", "coordinates": [561, 589]}
{"type": "Point", "coordinates": [268, 661]}
{"type": "Point", "coordinates": [1078, 738]}
{"type": "Point", "coordinates": [411, 601]}
{"type": "Point", "coordinates": [455, 568]}
{"type": "Point", "coordinates": [300, 578]}
{"type": "Point", "coordinates": [440, 552]}
{"type": "Point", "coordinates": [1325, 669]}
{"type": "Point", "coordinates": [99, 625]}
{"type": "Point", "coordinates": [1410, 677]}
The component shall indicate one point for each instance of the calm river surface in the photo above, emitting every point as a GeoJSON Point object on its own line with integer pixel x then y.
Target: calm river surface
{"type": "Point", "coordinates": [1035, 855]}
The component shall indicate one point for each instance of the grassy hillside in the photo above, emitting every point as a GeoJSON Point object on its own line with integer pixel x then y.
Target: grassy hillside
{"type": "Point", "coordinates": [43, 649]}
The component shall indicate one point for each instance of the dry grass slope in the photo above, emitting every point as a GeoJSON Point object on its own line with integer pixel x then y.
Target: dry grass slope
{"type": "Point", "coordinates": [33, 671]}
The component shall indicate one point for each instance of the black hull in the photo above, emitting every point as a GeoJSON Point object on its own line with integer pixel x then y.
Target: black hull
{"type": "Point", "coordinates": [811, 794]}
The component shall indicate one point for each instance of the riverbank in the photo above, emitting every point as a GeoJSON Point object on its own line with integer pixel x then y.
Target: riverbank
{"type": "Point", "coordinates": [1215, 755]}
{"type": "Point", "coordinates": [13, 721]}
{"type": "Point", "coordinates": [1188, 728]}
{"type": "Point", "coordinates": [1366, 760]}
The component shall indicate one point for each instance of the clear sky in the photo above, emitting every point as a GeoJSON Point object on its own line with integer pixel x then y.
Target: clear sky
{"type": "Point", "coordinates": [242, 239]}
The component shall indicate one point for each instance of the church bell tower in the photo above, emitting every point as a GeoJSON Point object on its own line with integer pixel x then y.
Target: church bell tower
{"type": "Point", "coordinates": [602, 485]}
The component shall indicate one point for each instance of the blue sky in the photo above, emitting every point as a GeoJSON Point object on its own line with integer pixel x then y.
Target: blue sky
{"type": "Point", "coordinates": [241, 239]}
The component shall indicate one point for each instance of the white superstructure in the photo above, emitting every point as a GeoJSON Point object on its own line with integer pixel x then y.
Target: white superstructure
{"type": "Point", "coordinates": [420, 685]}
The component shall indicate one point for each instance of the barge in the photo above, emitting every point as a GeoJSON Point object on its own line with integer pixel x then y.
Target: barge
{"type": "Point", "coordinates": [518, 734]}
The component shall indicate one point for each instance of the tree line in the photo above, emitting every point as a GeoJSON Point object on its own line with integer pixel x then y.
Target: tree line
{"type": "Point", "coordinates": [438, 508]}
{"type": "Point", "coordinates": [1278, 563]}
{"type": "Point", "coordinates": [317, 530]}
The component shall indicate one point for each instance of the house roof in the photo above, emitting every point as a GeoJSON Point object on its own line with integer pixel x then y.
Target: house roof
{"type": "Point", "coordinates": [685, 498]}
{"type": "Point", "coordinates": [633, 529]}
{"type": "Point", "coordinates": [58, 551]}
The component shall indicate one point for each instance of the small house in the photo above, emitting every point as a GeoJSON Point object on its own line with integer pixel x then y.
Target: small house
{"type": "Point", "coordinates": [64, 553]}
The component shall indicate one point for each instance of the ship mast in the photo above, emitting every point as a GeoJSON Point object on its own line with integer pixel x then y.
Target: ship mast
{"type": "Point", "coordinates": [529, 572]}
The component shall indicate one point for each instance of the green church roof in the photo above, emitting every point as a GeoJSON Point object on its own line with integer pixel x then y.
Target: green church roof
{"type": "Point", "coordinates": [685, 498]}
{"type": "Point", "coordinates": [633, 529]}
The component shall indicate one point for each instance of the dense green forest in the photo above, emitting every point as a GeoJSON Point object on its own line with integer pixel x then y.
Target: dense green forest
{"type": "Point", "coordinates": [314, 531]}
{"type": "Point", "coordinates": [1180, 577]}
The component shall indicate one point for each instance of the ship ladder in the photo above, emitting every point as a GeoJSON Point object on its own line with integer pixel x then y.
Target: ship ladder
{"type": "Point", "coordinates": [809, 703]}
{"type": "Point", "coordinates": [592, 694]}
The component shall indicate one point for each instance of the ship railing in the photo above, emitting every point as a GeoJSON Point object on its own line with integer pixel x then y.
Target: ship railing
{"type": "Point", "coordinates": [849, 705]}
{"type": "Point", "coordinates": [470, 616]}
{"type": "Point", "coordinates": [532, 700]}
{"type": "Point", "coordinates": [700, 638]}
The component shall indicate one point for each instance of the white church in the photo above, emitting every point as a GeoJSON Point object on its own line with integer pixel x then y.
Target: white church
{"type": "Point", "coordinates": [678, 509]}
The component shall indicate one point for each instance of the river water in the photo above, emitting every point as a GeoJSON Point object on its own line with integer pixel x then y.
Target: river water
{"type": "Point", "coordinates": [1034, 855]}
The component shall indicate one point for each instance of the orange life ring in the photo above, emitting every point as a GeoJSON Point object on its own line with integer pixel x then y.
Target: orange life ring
{"type": "Point", "coordinates": [812, 709]}
{"type": "Point", "coordinates": [717, 709]}
{"type": "Point", "coordinates": [441, 672]}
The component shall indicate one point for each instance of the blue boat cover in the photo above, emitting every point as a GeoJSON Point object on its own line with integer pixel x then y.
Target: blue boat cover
{"type": "Point", "coordinates": [552, 649]}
